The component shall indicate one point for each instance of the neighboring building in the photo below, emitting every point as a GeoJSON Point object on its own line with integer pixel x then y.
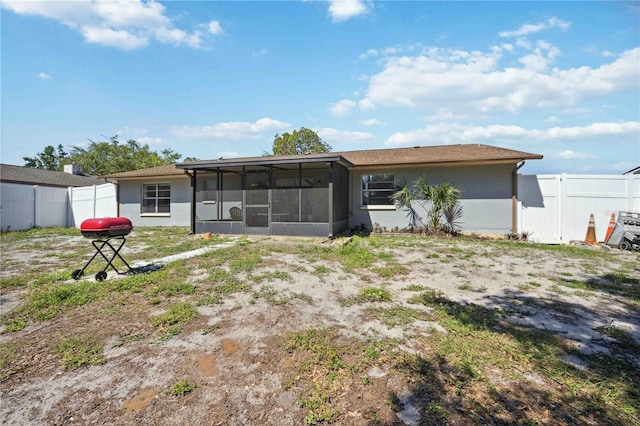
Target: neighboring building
{"type": "Point", "coordinates": [29, 176]}
{"type": "Point", "coordinates": [635, 171]}
{"type": "Point", "coordinates": [321, 194]}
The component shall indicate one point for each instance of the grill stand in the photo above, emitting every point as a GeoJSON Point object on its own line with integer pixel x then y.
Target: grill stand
{"type": "Point", "coordinates": [99, 245]}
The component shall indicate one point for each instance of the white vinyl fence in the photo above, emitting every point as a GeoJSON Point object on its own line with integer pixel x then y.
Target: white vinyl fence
{"type": "Point", "coordinates": [26, 206]}
{"type": "Point", "coordinates": [555, 209]}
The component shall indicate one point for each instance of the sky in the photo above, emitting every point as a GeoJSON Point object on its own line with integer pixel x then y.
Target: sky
{"type": "Point", "coordinates": [211, 79]}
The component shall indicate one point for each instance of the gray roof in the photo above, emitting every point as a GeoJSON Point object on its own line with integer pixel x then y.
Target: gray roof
{"type": "Point", "coordinates": [30, 176]}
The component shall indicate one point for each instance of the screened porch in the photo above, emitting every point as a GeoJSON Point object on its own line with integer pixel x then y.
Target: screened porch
{"type": "Point", "coordinates": [270, 196]}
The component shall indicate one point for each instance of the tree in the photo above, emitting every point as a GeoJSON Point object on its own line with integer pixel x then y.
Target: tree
{"type": "Point", "coordinates": [107, 157]}
{"type": "Point", "coordinates": [104, 157]}
{"type": "Point", "coordinates": [301, 141]}
{"type": "Point", "coordinates": [48, 159]}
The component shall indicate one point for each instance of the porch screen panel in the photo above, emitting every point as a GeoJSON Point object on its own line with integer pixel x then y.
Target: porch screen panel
{"type": "Point", "coordinates": [315, 196]}
{"type": "Point", "coordinates": [206, 196]}
{"type": "Point", "coordinates": [231, 194]}
{"type": "Point", "coordinates": [285, 196]}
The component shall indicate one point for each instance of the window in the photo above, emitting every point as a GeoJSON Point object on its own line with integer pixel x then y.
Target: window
{"type": "Point", "coordinates": [156, 198]}
{"type": "Point", "coordinates": [377, 190]}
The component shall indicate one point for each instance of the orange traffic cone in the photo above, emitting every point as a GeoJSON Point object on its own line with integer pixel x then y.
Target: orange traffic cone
{"type": "Point", "coordinates": [591, 231]}
{"type": "Point", "coordinates": [612, 224]}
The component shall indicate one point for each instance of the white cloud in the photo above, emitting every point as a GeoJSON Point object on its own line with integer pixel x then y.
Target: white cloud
{"type": "Point", "coordinates": [342, 10]}
{"type": "Point", "coordinates": [552, 119]}
{"type": "Point", "coordinates": [625, 166]}
{"type": "Point", "coordinates": [231, 131]}
{"type": "Point", "coordinates": [123, 24]}
{"type": "Point", "coordinates": [342, 108]}
{"type": "Point", "coordinates": [259, 53]}
{"type": "Point", "coordinates": [121, 39]}
{"type": "Point", "coordinates": [150, 141]}
{"type": "Point", "coordinates": [215, 28]}
{"type": "Point", "coordinates": [453, 133]}
{"type": "Point", "coordinates": [44, 76]}
{"type": "Point", "coordinates": [371, 122]}
{"type": "Point", "coordinates": [527, 29]}
{"type": "Point", "coordinates": [392, 50]}
{"type": "Point", "coordinates": [473, 83]}
{"type": "Point", "coordinates": [343, 136]}
{"type": "Point", "coordinates": [572, 155]}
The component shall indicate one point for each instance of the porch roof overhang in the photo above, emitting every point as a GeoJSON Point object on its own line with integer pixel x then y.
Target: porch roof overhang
{"type": "Point", "coordinates": [284, 162]}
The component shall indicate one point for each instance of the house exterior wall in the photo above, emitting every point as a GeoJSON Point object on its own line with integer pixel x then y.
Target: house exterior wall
{"type": "Point", "coordinates": [485, 196]}
{"type": "Point", "coordinates": [130, 199]}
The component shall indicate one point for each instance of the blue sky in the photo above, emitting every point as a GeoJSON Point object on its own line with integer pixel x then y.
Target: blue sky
{"type": "Point", "coordinates": [212, 79]}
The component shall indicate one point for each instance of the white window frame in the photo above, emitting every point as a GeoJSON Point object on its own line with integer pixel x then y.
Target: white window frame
{"type": "Point", "coordinates": [156, 188]}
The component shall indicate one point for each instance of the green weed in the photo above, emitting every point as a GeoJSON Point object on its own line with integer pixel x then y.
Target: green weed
{"type": "Point", "coordinates": [396, 315]}
{"type": "Point", "coordinates": [178, 314]}
{"type": "Point", "coordinates": [182, 387]}
{"type": "Point", "coordinates": [76, 351]}
{"type": "Point", "coordinates": [367, 295]}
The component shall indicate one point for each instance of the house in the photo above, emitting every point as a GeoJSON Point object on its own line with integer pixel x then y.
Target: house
{"type": "Point", "coordinates": [35, 197]}
{"type": "Point", "coordinates": [321, 194]}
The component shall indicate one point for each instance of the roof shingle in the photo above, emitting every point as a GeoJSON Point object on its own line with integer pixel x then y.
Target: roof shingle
{"type": "Point", "coordinates": [30, 176]}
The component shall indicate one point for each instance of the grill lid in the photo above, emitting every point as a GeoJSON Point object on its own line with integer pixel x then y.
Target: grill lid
{"type": "Point", "coordinates": [106, 227]}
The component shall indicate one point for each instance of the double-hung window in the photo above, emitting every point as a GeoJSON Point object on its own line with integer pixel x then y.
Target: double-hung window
{"type": "Point", "coordinates": [156, 198]}
{"type": "Point", "coordinates": [377, 190]}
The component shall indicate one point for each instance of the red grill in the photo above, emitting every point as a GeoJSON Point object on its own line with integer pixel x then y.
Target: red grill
{"type": "Point", "coordinates": [106, 227]}
{"type": "Point", "coordinates": [102, 231]}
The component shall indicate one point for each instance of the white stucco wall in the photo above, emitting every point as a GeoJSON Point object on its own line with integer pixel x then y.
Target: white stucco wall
{"type": "Point", "coordinates": [486, 196]}
{"type": "Point", "coordinates": [130, 198]}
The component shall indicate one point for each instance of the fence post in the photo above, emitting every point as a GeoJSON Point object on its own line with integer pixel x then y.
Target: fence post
{"type": "Point", "coordinates": [35, 205]}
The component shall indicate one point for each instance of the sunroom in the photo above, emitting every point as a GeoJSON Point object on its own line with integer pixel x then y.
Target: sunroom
{"type": "Point", "coordinates": [272, 195]}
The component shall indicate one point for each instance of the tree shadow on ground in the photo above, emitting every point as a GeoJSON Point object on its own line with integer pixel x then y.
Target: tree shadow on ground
{"type": "Point", "coordinates": [491, 369]}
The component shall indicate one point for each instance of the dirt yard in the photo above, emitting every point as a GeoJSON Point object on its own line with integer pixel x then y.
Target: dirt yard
{"type": "Point", "coordinates": [376, 330]}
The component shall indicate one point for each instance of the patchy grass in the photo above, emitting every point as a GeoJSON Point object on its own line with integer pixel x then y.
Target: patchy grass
{"type": "Point", "coordinates": [367, 295]}
{"type": "Point", "coordinates": [178, 314]}
{"type": "Point", "coordinates": [397, 315]}
{"type": "Point", "coordinates": [270, 295]}
{"type": "Point", "coordinates": [473, 366]}
{"type": "Point", "coordinates": [8, 352]}
{"type": "Point", "coordinates": [76, 351]}
{"type": "Point", "coordinates": [321, 370]}
{"type": "Point", "coordinates": [478, 342]}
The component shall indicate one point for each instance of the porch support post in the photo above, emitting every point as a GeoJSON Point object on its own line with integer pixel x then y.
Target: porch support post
{"type": "Point", "coordinates": [244, 198]}
{"type": "Point", "coordinates": [193, 202]}
{"type": "Point", "coordinates": [330, 199]}
{"type": "Point", "coordinates": [514, 197]}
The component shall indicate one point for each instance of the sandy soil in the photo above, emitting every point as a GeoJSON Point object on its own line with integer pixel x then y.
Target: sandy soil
{"type": "Point", "coordinates": [234, 351]}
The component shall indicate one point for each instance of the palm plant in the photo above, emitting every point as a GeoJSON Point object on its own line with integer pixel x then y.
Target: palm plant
{"type": "Point", "coordinates": [405, 196]}
{"type": "Point", "coordinates": [443, 204]}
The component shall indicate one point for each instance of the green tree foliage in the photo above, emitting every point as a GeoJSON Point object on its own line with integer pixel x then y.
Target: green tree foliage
{"type": "Point", "coordinates": [301, 141]}
{"type": "Point", "coordinates": [105, 157]}
{"type": "Point", "coordinates": [49, 159]}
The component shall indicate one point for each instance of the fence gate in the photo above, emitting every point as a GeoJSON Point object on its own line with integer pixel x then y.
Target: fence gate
{"type": "Point", "coordinates": [556, 208]}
